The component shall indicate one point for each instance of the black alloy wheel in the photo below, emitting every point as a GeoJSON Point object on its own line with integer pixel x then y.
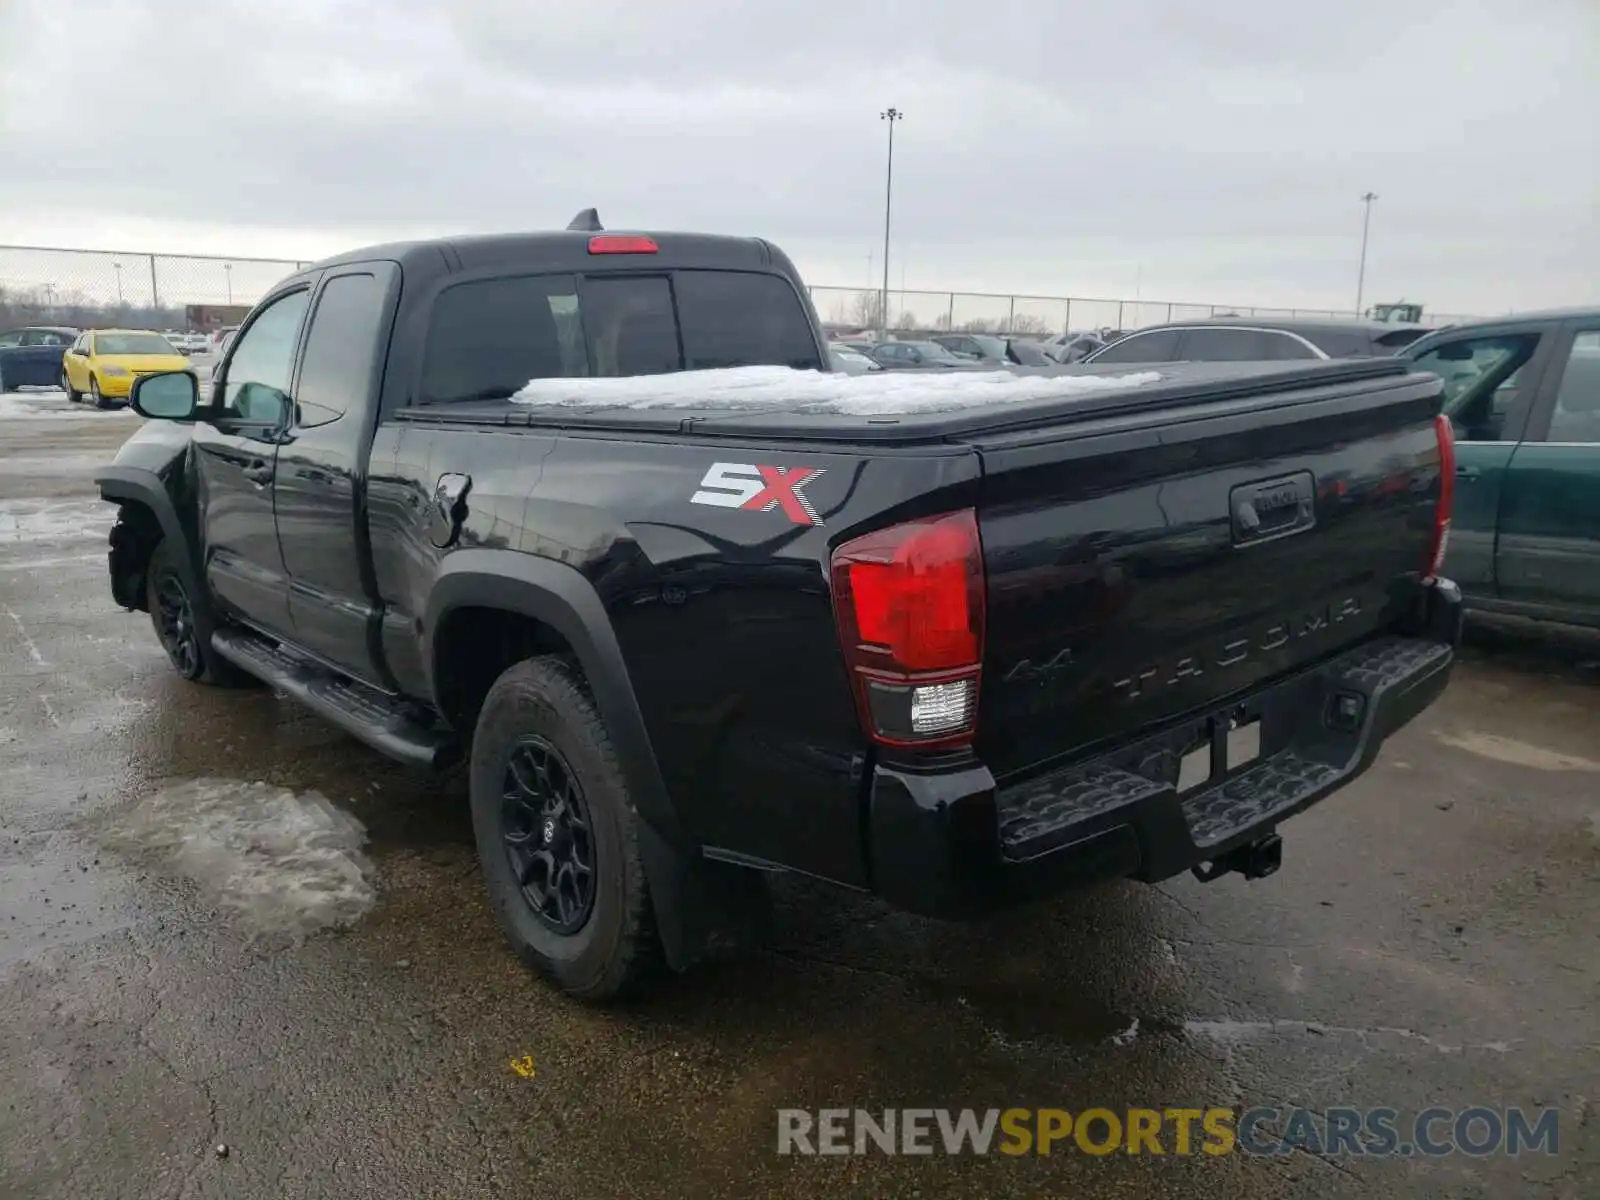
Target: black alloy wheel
{"type": "Point", "coordinates": [548, 836]}
{"type": "Point", "coordinates": [175, 625]}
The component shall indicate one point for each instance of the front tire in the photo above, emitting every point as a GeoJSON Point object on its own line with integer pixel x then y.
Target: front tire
{"type": "Point", "coordinates": [73, 394]}
{"type": "Point", "coordinates": [94, 393]}
{"type": "Point", "coordinates": [557, 834]}
{"type": "Point", "coordinates": [183, 623]}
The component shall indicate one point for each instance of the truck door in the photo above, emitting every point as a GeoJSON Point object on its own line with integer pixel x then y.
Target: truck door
{"type": "Point", "coordinates": [321, 484]}
{"type": "Point", "coordinates": [1549, 550]}
{"type": "Point", "coordinates": [235, 456]}
{"type": "Point", "coordinates": [1489, 378]}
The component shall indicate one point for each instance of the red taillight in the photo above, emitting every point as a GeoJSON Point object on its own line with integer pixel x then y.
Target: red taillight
{"type": "Point", "coordinates": [610, 243]}
{"type": "Point", "coordinates": [909, 602]}
{"type": "Point", "coordinates": [1447, 490]}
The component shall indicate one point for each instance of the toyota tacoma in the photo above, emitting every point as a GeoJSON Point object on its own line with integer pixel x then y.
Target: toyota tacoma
{"type": "Point", "coordinates": [587, 512]}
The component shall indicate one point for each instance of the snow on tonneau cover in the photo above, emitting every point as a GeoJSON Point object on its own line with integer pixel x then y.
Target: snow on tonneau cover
{"type": "Point", "coordinates": [748, 389]}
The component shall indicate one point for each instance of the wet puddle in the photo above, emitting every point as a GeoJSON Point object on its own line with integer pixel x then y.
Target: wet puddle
{"type": "Point", "coordinates": [277, 861]}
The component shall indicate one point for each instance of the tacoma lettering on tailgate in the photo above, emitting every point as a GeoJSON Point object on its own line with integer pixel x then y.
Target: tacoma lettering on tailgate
{"type": "Point", "coordinates": [1234, 651]}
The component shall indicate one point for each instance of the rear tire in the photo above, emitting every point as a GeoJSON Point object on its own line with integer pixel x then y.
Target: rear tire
{"type": "Point", "coordinates": [558, 836]}
{"type": "Point", "coordinates": [184, 623]}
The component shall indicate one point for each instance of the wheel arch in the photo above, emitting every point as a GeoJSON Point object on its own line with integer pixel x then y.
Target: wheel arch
{"type": "Point", "coordinates": [700, 905]}
{"type": "Point", "coordinates": [144, 489]}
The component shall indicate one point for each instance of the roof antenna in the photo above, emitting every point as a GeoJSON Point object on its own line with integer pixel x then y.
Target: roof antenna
{"type": "Point", "coordinates": [588, 221]}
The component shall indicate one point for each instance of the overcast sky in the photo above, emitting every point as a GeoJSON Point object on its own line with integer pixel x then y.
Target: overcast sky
{"type": "Point", "coordinates": [1189, 151]}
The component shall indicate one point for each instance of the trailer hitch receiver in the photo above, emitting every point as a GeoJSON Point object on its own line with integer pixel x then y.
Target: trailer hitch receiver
{"type": "Point", "coordinates": [1256, 860]}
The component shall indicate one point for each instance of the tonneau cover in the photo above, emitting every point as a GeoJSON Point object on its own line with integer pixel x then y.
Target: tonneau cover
{"type": "Point", "coordinates": [838, 407]}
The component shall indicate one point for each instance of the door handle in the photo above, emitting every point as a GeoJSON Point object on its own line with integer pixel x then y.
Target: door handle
{"type": "Point", "coordinates": [259, 472]}
{"type": "Point", "coordinates": [1466, 472]}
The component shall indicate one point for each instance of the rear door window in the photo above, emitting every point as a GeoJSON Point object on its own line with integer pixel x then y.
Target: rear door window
{"type": "Point", "coordinates": [1577, 414]}
{"type": "Point", "coordinates": [1220, 345]}
{"type": "Point", "coordinates": [1276, 346]}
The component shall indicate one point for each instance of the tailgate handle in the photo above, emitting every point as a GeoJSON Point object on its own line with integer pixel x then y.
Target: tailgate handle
{"type": "Point", "coordinates": [1273, 508]}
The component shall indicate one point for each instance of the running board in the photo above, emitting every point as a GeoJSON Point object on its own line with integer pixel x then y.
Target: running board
{"type": "Point", "coordinates": [390, 726]}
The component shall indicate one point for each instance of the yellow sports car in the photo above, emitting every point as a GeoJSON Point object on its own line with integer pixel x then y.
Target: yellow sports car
{"type": "Point", "coordinates": [103, 363]}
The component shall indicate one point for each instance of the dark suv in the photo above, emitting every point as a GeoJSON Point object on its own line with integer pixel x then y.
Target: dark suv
{"type": "Point", "coordinates": [1256, 339]}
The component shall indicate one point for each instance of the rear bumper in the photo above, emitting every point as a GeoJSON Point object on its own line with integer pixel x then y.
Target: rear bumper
{"type": "Point", "coordinates": [949, 843]}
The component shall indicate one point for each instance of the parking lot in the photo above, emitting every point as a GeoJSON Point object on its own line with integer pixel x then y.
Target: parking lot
{"type": "Point", "coordinates": [243, 956]}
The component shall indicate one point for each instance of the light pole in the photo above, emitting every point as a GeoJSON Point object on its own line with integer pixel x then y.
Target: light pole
{"type": "Point", "coordinates": [1366, 222]}
{"type": "Point", "coordinates": [118, 267]}
{"type": "Point", "coordinates": [890, 115]}
{"type": "Point", "coordinates": [227, 269]}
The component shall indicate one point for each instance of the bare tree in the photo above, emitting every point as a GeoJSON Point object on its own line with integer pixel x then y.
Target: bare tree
{"type": "Point", "coordinates": [1029, 323]}
{"type": "Point", "coordinates": [866, 310]}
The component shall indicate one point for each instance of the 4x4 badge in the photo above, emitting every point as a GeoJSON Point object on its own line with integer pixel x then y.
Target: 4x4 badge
{"type": "Point", "coordinates": [760, 488]}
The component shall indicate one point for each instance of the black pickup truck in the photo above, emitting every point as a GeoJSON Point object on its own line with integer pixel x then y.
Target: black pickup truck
{"type": "Point", "coordinates": [955, 655]}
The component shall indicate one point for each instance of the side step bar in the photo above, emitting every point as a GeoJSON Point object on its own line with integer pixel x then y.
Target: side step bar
{"type": "Point", "coordinates": [392, 727]}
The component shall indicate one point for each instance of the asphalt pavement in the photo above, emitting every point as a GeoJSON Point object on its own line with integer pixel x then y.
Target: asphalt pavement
{"type": "Point", "coordinates": [242, 956]}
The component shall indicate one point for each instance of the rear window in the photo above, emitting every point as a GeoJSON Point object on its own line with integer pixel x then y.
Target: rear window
{"type": "Point", "coordinates": [738, 319]}
{"type": "Point", "coordinates": [488, 338]}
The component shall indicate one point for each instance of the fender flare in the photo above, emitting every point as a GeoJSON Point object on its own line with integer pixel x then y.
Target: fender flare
{"type": "Point", "coordinates": [140, 486]}
{"type": "Point", "coordinates": [558, 596]}
{"type": "Point", "coordinates": [701, 906]}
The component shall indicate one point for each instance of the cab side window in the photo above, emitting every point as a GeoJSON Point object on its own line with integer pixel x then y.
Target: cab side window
{"type": "Point", "coordinates": [256, 387]}
{"type": "Point", "coordinates": [1577, 412]}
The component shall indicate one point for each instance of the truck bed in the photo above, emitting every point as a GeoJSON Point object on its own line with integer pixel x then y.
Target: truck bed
{"type": "Point", "coordinates": [956, 408]}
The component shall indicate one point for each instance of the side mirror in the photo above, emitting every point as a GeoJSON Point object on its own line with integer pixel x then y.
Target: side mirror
{"type": "Point", "coordinates": [169, 396]}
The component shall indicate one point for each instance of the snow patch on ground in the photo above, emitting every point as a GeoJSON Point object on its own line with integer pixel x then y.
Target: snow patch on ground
{"type": "Point", "coordinates": [53, 465]}
{"type": "Point", "coordinates": [54, 520]}
{"type": "Point", "coordinates": [281, 863]}
{"type": "Point", "coordinates": [886, 393]}
{"type": "Point", "coordinates": [53, 405]}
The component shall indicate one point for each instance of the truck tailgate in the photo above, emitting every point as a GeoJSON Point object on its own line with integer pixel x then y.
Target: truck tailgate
{"type": "Point", "coordinates": [1144, 565]}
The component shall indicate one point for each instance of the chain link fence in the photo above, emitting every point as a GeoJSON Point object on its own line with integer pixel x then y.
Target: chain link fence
{"type": "Point", "coordinates": [96, 288]}
{"type": "Point", "coordinates": [979, 312]}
